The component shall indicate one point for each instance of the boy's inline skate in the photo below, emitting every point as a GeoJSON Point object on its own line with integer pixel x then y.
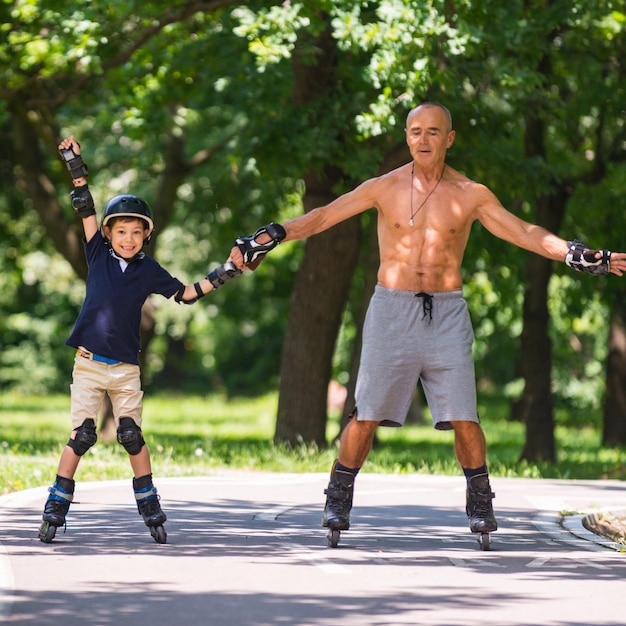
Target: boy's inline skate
{"type": "Point", "coordinates": [149, 507]}
{"type": "Point", "coordinates": [480, 510]}
{"type": "Point", "coordinates": [56, 508]}
{"type": "Point", "coordinates": [338, 504]}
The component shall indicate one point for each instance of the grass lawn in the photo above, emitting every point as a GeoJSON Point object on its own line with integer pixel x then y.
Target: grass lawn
{"type": "Point", "coordinates": [190, 436]}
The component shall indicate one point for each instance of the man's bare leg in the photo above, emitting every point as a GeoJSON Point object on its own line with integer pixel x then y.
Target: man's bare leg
{"type": "Point", "coordinates": [356, 443]}
{"type": "Point", "coordinates": [469, 444]}
{"type": "Point", "coordinates": [471, 450]}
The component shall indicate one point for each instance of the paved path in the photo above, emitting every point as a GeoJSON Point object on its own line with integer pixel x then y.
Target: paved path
{"type": "Point", "coordinates": [248, 549]}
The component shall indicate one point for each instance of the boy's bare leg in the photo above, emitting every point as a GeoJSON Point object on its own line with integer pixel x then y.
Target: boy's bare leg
{"type": "Point", "coordinates": [68, 463]}
{"type": "Point", "coordinates": [141, 462]}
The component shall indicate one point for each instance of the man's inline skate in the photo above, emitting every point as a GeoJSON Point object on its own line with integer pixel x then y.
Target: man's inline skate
{"type": "Point", "coordinates": [480, 510]}
{"type": "Point", "coordinates": [338, 504]}
{"type": "Point", "coordinates": [56, 508]}
{"type": "Point", "coordinates": [149, 507]}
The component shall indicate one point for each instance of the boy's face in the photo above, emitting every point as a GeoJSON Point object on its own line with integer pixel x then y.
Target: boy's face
{"type": "Point", "coordinates": [126, 236]}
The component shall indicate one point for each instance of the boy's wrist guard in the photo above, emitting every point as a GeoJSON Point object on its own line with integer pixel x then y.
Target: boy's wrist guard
{"type": "Point", "coordinates": [74, 163]}
{"type": "Point", "coordinates": [223, 273]}
{"type": "Point", "coordinates": [582, 259]}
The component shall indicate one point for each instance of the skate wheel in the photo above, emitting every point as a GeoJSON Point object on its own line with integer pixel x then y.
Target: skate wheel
{"type": "Point", "coordinates": [333, 537]}
{"type": "Point", "coordinates": [484, 541]}
{"type": "Point", "coordinates": [159, 534]}
{"type": "Point", "coordinates": [47, 532]}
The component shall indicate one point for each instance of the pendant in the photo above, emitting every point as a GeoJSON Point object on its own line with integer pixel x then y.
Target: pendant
{"type": "Point", "coordinates": [411, 222]}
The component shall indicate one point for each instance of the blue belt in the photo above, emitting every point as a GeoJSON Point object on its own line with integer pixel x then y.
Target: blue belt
{"type": "Point", "coordinates": [95, 357]}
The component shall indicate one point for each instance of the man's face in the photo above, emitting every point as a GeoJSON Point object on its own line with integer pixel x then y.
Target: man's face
{"type": "Point", "coordinates": [428, 135]}
{"type": "Point", "coordinates": [126, 236]}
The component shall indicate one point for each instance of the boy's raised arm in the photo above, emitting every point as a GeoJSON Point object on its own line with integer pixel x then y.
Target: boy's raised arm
{"type": "Point", "coordinates": [82, 200]}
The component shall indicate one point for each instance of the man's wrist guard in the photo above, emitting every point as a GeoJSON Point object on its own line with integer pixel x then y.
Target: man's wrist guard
{"type": "Point", "coordinates": [252, 250]}
{"type": "Point", "coordinates": [74, 163]}
{"type": "Point", "coordinates": [82, 201]}
{"type": "Point", "coordinates": [223, 273]}
{"type": "Point", "coordinates": [582, 259]}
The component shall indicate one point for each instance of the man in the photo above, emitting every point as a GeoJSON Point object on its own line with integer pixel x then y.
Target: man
{"type": "Point", "coordinates": [417, 325]}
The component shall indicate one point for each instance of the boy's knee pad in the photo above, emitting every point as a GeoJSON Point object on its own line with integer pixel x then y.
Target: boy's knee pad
{"type": "Point", "coordinates": [85, 437]}
{"type": "Point", "coordinates": [129, 435]}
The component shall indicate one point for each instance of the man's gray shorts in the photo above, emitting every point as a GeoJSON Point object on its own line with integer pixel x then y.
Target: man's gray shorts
{"type": "Point", "coordinates": [406, 340]}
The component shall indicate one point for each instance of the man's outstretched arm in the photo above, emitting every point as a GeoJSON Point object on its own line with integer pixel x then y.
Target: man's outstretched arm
{"type": "Point", "coordinates": [503, 224]}
{"type": "Point", "coordinates": [248, 252]}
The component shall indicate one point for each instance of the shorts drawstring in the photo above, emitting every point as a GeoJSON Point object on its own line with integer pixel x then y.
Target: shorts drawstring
{"type": "Point", "coordinates": [427, 304]}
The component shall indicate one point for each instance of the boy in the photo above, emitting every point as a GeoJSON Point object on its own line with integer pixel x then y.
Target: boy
{"type": "Point", "coordinates": [106, 337]}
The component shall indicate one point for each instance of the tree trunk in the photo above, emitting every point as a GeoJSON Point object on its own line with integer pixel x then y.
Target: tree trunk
{"type": "Point", "coordinates": [536, 363]}
{"type": "Point", "coordinates": [369, 262]}
{"type": "Point", "coordinates": [614, 431]}
{"type": "Point", "coordinates": [537, 404]}
{"type": "Point", "coordinates": [318, 299]}
{"type": "Point", "coordinates": [323, 281]}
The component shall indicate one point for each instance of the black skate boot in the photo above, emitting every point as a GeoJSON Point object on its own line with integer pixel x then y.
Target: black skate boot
{"type": "Point", "coordinates": [149, 507]}
{"type": "Point", "coordinates": [338, 504]}
{"type": "Point", "coordinates": [479, 508]}
{"type": "Point", "coordinates": [56, 508]}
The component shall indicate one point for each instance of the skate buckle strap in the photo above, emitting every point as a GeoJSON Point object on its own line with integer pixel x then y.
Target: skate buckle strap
{"type": "Point", "coordinates": [58, 494]}
{"type": "Point", "coordinates": [338, 492]}
{"type": "Point", "coordinates": [143, 495]}
{"type": "Point", "coordinates": [482, 494]}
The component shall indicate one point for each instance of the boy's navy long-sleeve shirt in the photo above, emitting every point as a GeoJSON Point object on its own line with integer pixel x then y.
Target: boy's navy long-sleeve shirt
{"type": "Point", "coordinates": [109, 321]}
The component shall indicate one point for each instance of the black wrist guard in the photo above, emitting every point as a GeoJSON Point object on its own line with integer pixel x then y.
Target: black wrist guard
{"type": "Point", "coordinates": [181, 292]}
{"type": "Point", "coordinates": [223, 273]}
{"type": "Point", "coordinates": [82, 201]}
{"type": "Point", "coordinates": [74, 163]}
{"type": "Point", "coordinates": [582, 259]}
{"type": "Point", "coordinates": [252, 250]}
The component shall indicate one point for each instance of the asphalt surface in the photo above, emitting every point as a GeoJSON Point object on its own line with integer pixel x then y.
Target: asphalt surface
{"type": "Point", "coordinates": [248, 548]}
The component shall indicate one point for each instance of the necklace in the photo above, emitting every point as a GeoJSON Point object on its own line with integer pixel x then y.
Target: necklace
{"type": "Point", "coordinates": [430, 193]}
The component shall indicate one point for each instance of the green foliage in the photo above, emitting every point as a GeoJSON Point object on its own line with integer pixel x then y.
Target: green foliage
{"type": "Point", "coordinates": [38, 301]}
{"type": "Point", "coordinates": [140, 82]}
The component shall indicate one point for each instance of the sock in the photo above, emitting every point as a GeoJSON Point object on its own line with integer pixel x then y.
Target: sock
{"type": "Point", "coordinates": [470, 473]}
{"type": "Point", "coordinates": [66, 484]}
{"type": "Point", "coordinates": [143, 482]}
{"type": "Point", "coordinates": [351, 470]}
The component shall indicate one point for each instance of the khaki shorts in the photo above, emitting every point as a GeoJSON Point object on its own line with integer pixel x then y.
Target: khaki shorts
{"type": "Point", "coordinates": [92, 379]}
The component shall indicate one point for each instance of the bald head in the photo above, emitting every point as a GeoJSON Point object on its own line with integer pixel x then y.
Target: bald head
{"type": "Point", "coordinates": [425, 105]}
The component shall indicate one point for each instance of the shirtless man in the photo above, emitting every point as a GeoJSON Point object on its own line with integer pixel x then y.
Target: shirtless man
{"type": "Point", "coordinates": [417, 325]}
